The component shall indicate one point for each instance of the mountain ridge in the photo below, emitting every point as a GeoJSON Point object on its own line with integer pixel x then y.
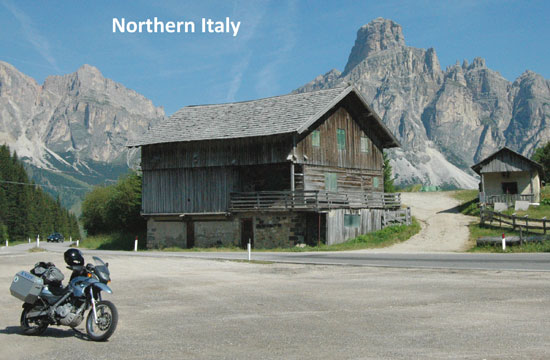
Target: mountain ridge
{"type": "Point", "coordinates": [75, 125]}
{"type": "Point", "coordinates": [463, 113]}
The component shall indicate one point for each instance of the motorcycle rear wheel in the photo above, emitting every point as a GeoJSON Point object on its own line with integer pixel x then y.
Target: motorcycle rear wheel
{"type": "Point", "coordinates": [107, 319]}
{"type": "Point", "coordinates": [35, 327]}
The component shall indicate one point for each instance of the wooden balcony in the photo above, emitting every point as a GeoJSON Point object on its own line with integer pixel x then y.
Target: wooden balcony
{"type": "Point", "coordinates": [311, 200]}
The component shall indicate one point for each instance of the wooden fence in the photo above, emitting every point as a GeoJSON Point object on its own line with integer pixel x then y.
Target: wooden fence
{"type": "Point", "coordinates": [312, 200]}
{"type": "Point", "coordinates": [397, 217]}
{"type": "Point", "coordinates": [522, 223]}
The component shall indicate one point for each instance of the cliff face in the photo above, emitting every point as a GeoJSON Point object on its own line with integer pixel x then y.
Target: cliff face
{"type": "Point", "coordinates": [72, 130]}
{"type": "Point", "coordinates": [445, 120]}
{"type": "Point", "coordinates": [82, 113]}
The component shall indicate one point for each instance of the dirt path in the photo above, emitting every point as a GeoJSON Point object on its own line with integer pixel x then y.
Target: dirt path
{"type": "Point", "coordinates": [443, 228]}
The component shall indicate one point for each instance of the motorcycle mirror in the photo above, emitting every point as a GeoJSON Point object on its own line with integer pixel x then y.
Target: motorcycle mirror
{"type": "Point", "coordinates": [107, 264]}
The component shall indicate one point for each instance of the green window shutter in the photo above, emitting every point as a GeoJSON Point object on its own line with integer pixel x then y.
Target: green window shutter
{"type": "Point", "coordinates": [331, 182]}
{"type": "Point", "coordinates": [341, 139]}
{"type": "Point", "coordinates": [375, 182]}
{"type": "Point", "coordinates": [352, 220]}
{"type": "Point", "coordinates": [364, 144]}
{"type": "Point", "coordinates": [316, 138]}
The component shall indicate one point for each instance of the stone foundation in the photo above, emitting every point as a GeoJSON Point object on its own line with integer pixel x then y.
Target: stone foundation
{"type": "Point", "coordinates": [270, 230]}
{"type": "Point", "coordinates": [165, 233]}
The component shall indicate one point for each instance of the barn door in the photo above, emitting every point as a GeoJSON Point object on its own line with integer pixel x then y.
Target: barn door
{"type": "Point", "coordinates": [190, 225]}
{"type": "Point", "coordinates": [247, 232]}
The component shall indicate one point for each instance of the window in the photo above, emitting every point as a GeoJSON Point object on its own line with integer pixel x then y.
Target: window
{"type": "Point", "coordinates": [316, 138]}
{"type": "Point", "coordinates": [331, 182]}
{"type": "Point", "coordinates": [341, 139]}
{"type": "Point", "coordinates": [352, 220]}
{"type": "Point", "coordinates": [364, 144]}
{"type": "Point", "coordinates": [375, 182]}
{"type": "Point", "coordinates": [510, 187]}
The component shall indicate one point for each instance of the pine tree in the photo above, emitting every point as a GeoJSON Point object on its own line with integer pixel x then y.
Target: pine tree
{"type": "Point", "coordinates": [388, 180]}
{"type": "Point", "coordinates": [26, 210]}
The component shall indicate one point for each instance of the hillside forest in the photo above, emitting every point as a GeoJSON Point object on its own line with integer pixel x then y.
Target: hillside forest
{"type": "Point", "coordinates": [26, 210]}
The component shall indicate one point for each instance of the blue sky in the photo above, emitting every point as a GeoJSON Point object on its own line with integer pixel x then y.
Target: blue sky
{"type": "Point", "coordinates": [281, 45]}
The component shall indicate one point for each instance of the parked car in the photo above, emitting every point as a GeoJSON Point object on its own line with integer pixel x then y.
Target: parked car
{"type": "Point", "coordinates": [56, 237]}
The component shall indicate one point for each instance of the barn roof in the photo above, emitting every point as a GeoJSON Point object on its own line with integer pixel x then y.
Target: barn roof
{"type": "Point", "coordinates": [506, 160]}
{"type": "Point", "coordinates": [284, 114]}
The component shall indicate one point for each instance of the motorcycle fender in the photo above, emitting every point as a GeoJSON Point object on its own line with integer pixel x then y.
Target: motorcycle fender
{"type": "Point", "coordinates": [103, 287]}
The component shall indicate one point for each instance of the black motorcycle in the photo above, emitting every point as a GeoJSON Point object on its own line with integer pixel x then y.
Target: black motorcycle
{"type": "Point", "coordinates": [47, 302]}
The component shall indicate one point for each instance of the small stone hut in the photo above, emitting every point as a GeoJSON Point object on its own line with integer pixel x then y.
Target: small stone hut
{"type": "Point", "coordinates": [507, 176]}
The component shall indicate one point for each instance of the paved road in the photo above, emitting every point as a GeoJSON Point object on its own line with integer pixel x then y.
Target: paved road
{"type": "Point", "coordinates": [465, 261]}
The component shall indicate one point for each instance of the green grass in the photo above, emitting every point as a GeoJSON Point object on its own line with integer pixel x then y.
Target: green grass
{"type": "Point", "coordinates": [378, 239]}
{"type": "Point", "coordinates": [469, 206]}
{"type": "Point", "coordinates": [115, 241]}
{"type": "Point", "coordinates": [411, 188]}
{"type": "Point", "coordinates": [477, 231]}
{"type": "Point", "coordinates": [469, 201]}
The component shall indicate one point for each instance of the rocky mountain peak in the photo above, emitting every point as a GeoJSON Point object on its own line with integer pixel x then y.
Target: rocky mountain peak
{"type": "Point", "coordinates": [89, 70]}
{"type": "Point", "coordinates": [378, 35]}
{"type": "Point", "coordinates": [478, 63]}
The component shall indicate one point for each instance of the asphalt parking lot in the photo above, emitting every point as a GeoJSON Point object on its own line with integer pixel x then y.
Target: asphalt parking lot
{"type": "Point", "coordinates": [182, 308]}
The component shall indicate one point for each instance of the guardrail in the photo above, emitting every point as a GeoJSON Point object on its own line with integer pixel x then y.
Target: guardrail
{"type": "Point", "coordinates": [311, 200]}
{"type": "Point", "coordinates": [523, 223]}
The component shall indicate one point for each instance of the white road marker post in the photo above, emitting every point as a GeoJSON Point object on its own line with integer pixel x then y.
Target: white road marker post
{"type": "Point", "coordinates": [136, 244]}
{"type": "Point", "coordinates": [77, 242]}
{"type": "Point", "coordinates": [29, 240]}
{"type": "Point", "coordinates": [503, 242]}
{"type": "Point", "coordinates": [249, 246]}
{"type": "Point", "coordinates": [6, 243]}
{"type": "Point", "coordinates": [38, 241]}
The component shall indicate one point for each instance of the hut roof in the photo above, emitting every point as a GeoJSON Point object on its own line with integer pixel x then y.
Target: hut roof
{"type": "Point", "coordinates": [506, 160]}
{"type": "Point", "coordinates": [285, 114]}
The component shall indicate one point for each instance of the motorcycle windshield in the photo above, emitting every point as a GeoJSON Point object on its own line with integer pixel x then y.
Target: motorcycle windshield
{"type": "Point", "coordinates": [102, 269]}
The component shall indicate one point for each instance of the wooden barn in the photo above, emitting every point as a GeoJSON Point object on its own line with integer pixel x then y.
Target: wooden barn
{"type": "Point", "coordinates": [281, 171]}
{"type": "Point", "coordinates": [507, 176]}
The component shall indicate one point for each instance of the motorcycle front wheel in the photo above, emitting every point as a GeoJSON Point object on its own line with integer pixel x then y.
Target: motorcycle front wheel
{"type": "Point", "coordinates": [107, 319]}
{"type": "Point", "coordinates": [32, 326]}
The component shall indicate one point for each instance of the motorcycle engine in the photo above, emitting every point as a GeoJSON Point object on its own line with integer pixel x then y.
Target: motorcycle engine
{"type": "Point", "coordinates": [68, 315]}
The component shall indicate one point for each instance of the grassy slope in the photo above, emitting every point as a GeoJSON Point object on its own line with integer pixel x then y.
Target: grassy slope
{"type": "Point", "coordinates": [469, 206]}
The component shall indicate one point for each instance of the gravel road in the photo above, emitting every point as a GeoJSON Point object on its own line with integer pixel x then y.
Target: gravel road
{"type": "Point", "coordinates": [444, 229]}
{"type": "Point", "coordinates": [181, 308]}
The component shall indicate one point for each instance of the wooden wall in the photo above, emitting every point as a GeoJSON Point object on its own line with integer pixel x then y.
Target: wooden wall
{"type": "Point", "coordinates": [328, 153]}
{"type": "Point", "coordinates": [235, 152]}
{"type": "Point", "coordinates": [348, 179]}
{"type": "Point", "coordinates": [337, 232]}
{"type": "Point", "coordinates": [189, 190]}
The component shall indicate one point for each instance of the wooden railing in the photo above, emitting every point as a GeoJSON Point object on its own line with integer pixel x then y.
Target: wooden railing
{"type": "Point", "coordinates": [509, 198]}
{"type": "Point", "coordinates": [311, 200]}
{"type": "Point", "coordinates": [523, 223]}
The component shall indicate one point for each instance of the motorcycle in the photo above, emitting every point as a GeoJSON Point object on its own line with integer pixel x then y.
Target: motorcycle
{"type": "Point", "coordinates": [47, 303]}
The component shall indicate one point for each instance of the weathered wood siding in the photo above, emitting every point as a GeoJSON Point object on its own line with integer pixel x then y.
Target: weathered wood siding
{"type": "Point", "coordinates": [506, 161]}
{"type": "Point", "coordinates": [371, 220]}
{"type": "Point", "coordinates": [348, 180]}
{"type": "Point", "coordinates": [236, 152]}
{"type": "Point", "coordinates": [188, 190]}
{"type": "Point", "coordinates": [328, 154]}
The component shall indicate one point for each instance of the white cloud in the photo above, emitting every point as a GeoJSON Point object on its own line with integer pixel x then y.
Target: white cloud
{"type": "Point", "coordinates": [38, 41]}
